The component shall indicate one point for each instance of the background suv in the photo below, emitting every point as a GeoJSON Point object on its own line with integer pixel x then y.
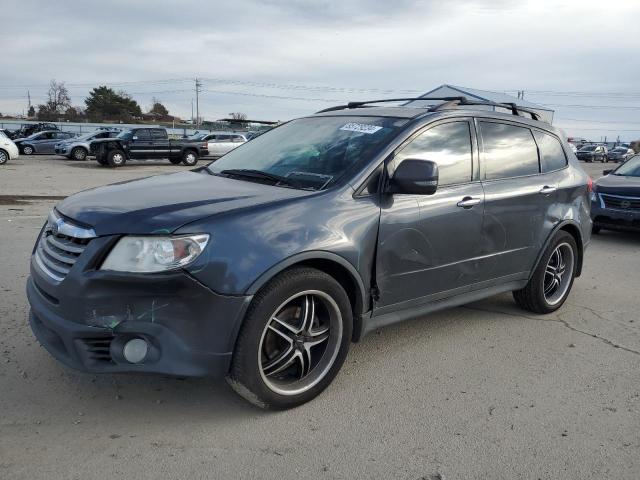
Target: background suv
{"type": "Point", "coordinates": [265, 265]}
{"type": "Point", "coordinates": [78, 148]}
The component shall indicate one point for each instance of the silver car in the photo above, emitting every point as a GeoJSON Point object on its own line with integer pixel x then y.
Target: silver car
{"type": "Point", "coordinates": [78, 148]}
{"type": "Point", "coordinates": [219, 143]}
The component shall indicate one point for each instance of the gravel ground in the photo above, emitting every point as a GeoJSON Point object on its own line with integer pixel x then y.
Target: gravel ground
{"type": "Point", "coordinates": [482, 391]}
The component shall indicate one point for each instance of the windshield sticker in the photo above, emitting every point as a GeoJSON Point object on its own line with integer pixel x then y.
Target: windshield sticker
{"type": "Point", "coordinates": [361, 128]}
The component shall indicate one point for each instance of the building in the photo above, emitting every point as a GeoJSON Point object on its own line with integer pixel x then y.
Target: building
{"type": "Point", "coordinates": [546, 114]}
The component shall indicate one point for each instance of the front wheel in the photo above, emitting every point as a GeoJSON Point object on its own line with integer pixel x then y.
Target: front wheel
{"type": "Point", "coordinates": [552, 279]}
{"type": "Point", "coordinates": [4, 157]}
{"type": "Point", "coordinates": [294, 340]}
{"type": "Point", "coordinates": [189, 158]}
{"type": "Point", "coordinates": [28, 150]}
{"type": "Point", "coordinates": [116, 158]}
{"type": "Point", "coordinates": [79, 154]}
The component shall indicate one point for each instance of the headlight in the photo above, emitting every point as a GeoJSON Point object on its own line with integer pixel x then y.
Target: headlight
{"type": "Point", "coordinates": [154, 254]}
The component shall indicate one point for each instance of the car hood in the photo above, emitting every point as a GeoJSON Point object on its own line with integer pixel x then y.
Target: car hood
{"type": "Point", "coordinates": [619, 185]}
{"type": "Point", "coordinates": [164, 203]}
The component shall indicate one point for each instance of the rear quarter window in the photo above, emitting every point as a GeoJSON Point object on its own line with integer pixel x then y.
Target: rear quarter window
{"type": "Point", "coordinates": [507, 151]}
{"type": "Point", "coordinates": [552, 156]}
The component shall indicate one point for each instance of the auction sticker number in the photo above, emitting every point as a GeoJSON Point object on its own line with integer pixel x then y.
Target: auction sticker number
{"type": "Point", "coordinates": [360, 128]}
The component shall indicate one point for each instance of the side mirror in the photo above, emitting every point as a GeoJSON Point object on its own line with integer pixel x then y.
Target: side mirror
{"type": "Point", "coordinates": [607, 172]}
{"type": "Point", "coordinates": [417, 177]}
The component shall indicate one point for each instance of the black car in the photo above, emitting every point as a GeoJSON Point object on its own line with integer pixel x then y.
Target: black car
{"type": "Point", "coordinates": [146, 143]}
{"type": "Point", "coordinates": [29, 129]}
{"type": "Point", "coordinates": [266, 264]}
{"type": "Point", "coordinates": [615, 200]}
{"type": "Point", "coordinates": [592, 153]}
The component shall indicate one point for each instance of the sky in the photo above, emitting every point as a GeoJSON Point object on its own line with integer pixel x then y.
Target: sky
{"type": "Point", "coordinates": [278, 59]}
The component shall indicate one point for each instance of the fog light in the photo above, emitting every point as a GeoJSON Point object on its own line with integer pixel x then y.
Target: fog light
{"type": "Point", "coordinates": [135, 350]}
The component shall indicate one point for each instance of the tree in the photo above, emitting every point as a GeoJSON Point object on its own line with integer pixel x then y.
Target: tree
{"type": "Point", "coordinates": [158, 108]}
{"type": "Point", "coordinates": [104, 103]}
{"type": "Point", "coordinates": [240, 117]}
{"type": "Point", "coordinates": [58, 101]}
{"type": "Point", "coordinates": [31, 112]}
{"type": "Point", "coordinates": [74, 113]}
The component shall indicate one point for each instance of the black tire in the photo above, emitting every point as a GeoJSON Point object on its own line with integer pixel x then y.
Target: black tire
{"type": "Point", "coordinates": [595, 229]}
{"type": "Point", "coordinates": [79, 154]}
{"type": "Point", "coordinates": [176, 161]}
{"type": "Point", "coordinates": [116, 158]}
{"type": "Point", "coordinates": [533, 296]}
{"type": "Point", "coordinates": [247, 375]}
{"type": "Point", "coordinates": [28, 150]}
{"type": "Point", "coordinates": [4, 157]}
{"type": "Point", "coordinates": [190, 158]}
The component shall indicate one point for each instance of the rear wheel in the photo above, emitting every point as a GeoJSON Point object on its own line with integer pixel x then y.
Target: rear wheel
{"type": "Point", "coordinates": [4, 157]}
{"type": "Point", "coordinates": [189, 158]}
{"type": "Point", "coordinates": [116, 158]}
{"type": "Point", "coordinates": [553, 278]}
{"type": "Point", "coordinates": [28, 150]}
{"type": "Point", "coordinates": [293, 341]}
{"type": "Point", "coordinates": [79, 154]}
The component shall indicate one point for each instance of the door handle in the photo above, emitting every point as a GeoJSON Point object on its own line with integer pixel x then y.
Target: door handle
{"type": "Point", "coordinates": [468, 202]}
{"type": "Point", "coordinates": [546, 190]}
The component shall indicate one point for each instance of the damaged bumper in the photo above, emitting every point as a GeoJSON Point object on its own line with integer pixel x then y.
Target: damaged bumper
{"type": "Point", "coordinates": [86, 320]}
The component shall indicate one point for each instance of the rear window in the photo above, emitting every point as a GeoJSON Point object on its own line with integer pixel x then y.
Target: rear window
{"type": "Point", "coordinates": [552, 155]}
{"type": "Point", "coordinates": [508, 151]}
{"type": "Point", "coordinates": [158, 134]}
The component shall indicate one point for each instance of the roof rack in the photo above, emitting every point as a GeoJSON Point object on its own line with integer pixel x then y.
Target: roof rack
{"type": "Point", "coordinates": [447, 102]}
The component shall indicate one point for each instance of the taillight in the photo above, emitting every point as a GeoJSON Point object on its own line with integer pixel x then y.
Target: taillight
{"type": "Point", "coordinates": [589, 185]}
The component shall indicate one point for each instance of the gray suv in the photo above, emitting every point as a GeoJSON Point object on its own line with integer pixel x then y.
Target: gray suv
{"type": "Point", "coordinates": [264, 266]}
{"type": "Point", "coordinates": [78, 148]}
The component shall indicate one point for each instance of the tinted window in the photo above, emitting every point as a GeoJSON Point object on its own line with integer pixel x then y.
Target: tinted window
{"type": "Point", "coordinates": [508, 151]}
{"type": "Point", "coordinates": [161, 134]}
{"type": "Point", "coordinates": [223, 138]}
{"type": "Point", "coordinates": [143, 134]}
{"type": "Point", "coordinates": [552, 155]}
{"type": "Point", "coordinates": [449, 145]}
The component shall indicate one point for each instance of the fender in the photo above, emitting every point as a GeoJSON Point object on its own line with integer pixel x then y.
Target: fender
{"type": "Point", "coordinates": [361, 295]}
{"type": "Point", "coordinates": [550, 237]}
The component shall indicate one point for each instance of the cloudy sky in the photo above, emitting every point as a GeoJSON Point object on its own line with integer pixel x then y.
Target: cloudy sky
{"type": "Point", "coordinates": [278, 59]}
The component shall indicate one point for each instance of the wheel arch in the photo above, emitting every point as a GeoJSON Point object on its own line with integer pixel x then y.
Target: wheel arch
{"type": "Point", "coordinates": [335, 266]}
{"type": "Point", "coordinates": [571, 227]}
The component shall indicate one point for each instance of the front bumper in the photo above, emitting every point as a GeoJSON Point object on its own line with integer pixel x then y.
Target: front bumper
{"type": "Point", "coordinates": [85, 320]}
{"type": "Point", "coordinates": [614, 219]}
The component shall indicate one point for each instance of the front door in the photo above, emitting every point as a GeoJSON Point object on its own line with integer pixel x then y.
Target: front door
{"type": "Point", "coordinates": [141, 144]}
{"type": "Point", "coordinates": [428, 245]}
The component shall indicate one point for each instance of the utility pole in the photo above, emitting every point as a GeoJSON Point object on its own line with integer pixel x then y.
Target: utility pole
{"type": "Point", "coordinates": [29, 97]}
{"type": "Point", "coordinates": [198, 90]}
{"type": "Point", "coordinates": [192, 111]}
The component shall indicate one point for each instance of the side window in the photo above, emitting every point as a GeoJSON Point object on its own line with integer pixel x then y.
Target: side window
{"type": "Point", "coordinates": [158, 134]}
{"type": "Point", "coordinates": [223, 138]}
{"type": "Point", "coordinates": [142, 134]}
{"type": "Point", "coordinates": [101, 135]}
{"type": "Point", "coordinates": [508, 151]}
{"type": "Point", "coordinates": [552, 155]}
{"type": "Point", "coordinates": [449, 145]}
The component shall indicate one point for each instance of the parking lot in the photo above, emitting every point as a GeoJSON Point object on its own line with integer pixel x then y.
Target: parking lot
{"type": "Point", "coordinates": [482, 391]}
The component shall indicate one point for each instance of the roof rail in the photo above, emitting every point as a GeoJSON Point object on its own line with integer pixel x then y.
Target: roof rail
{"type": "Point", "coordinates": [447, 102]}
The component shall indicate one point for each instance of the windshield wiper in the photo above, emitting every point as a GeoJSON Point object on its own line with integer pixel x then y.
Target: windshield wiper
{"type": "Point", "coordinates": [260, 175]}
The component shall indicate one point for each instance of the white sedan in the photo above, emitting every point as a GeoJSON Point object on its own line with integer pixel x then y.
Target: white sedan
{"type": "Point", "coordinates": [221, 143]}
{"type": "Point", "coordinates": [8, 149]}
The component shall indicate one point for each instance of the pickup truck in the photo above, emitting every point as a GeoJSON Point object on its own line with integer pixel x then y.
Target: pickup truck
{"type": "Point", "coordinates": [146, 143]}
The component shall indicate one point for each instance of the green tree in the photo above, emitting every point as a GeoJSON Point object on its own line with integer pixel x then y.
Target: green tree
{"type": "Point", "coordinates": [31, 112]}
{"type": "Point", "coordinates": [103, 103]}
{"type": "Point", "coordinates": [158, 108]}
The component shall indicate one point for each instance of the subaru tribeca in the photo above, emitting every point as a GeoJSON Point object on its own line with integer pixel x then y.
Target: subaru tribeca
{"type": "Point", "coordinates": [264, 266]}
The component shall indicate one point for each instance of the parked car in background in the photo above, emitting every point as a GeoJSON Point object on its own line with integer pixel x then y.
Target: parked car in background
{"type": "Point", "coordinates": [77, 148]}
{"type": "Point", "coordinates": [620, 154]}
{"type": "Point", "coordinates": [264, 266]}
{"type": "Point", "coordinates": [8, 149]}
{"type": "Point", "coordinates": [42, 142]}
{"type": "Point", "coordinates": [221, 143]}
{"type": "Point", "coordinates": [615, 200]}
{"type": "Point", "coordinates": [144, 144]}
{"type": "Point", "coordinates": [29, 129]}
{"type": "Point", "coordinates": [592, 153]}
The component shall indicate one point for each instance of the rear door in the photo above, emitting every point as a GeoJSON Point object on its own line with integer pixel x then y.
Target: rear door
{"type": "Point", "coordinates": [161, 144]}
{"type": "Point", "coordinates": [517, 199]}
{"type": "Point", "coordinates": [428, 244]}
{"type": "Point", "coordinates": [141, 144]}
{"type": "Point", "coordinates": [48, 142]}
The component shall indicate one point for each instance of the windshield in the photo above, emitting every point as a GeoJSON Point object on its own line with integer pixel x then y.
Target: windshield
{"type": "Point", "coordinates": [125, 134]}
{"type": "Point", "coordinates": [588, 148]}
{"type": "Point", "coordinates": [631, 168]}
{"type": "Point", "coordinates": [312, 152]}
{"type": "Point", "coordinates": [620, 149]}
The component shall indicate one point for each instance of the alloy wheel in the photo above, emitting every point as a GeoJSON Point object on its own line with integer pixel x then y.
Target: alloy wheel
{"type": "Point", "coordinates": [3, 157]}
{"type": "Point", "coordinates": [558, 273]}
{"type": "Point", "coordinates": [27, 150]}
{"type": "Point", "coordinates": [300, 342]}
{"type": "Point", "coordinates": [117, 158]}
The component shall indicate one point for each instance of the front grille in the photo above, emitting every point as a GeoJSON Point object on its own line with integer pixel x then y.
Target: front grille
{"type": "Point", "coordinates": [620, 202]}
{"type": "Point", "coordinates": [60, 246]}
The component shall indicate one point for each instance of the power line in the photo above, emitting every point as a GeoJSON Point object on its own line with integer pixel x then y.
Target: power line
{"type": "Point", "coordinates": [279, 97]}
